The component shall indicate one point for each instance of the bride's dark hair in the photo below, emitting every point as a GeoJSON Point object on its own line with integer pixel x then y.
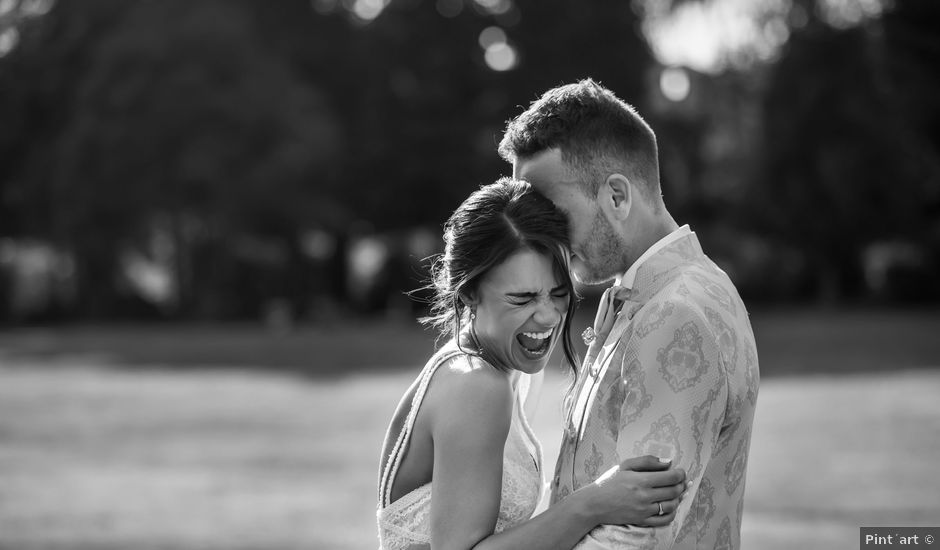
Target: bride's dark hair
{"type": "Point", "coordinates": [493, 223]}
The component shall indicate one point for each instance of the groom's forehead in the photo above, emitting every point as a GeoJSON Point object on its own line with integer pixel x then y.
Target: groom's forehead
{"type": "Point", "coordinates": [545, 167]}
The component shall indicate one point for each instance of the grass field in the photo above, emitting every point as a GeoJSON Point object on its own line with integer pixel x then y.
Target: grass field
{"type": "Point", "coordinates": [207, 437]}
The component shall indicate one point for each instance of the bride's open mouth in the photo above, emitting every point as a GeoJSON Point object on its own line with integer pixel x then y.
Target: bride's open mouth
{"type": "Point", "coordinates": [535, 345]}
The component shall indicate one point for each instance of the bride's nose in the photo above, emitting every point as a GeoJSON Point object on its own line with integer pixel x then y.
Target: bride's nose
{"type": "Point", "coordinates": [547, 313]}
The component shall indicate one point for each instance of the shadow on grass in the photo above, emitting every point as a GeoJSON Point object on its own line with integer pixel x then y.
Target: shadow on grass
{"type": "Point", "coordinates": [802, 341]}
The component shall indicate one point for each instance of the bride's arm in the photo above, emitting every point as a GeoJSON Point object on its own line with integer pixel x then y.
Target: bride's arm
{"type": "Point", "coordinates": [471, 413]}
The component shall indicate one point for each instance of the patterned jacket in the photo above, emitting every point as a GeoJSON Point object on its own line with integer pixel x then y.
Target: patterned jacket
{"type": "Point", "coordinates": [676, 377]}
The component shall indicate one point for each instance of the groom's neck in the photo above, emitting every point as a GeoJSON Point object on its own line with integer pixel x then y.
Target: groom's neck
{"type": "Point", "coordinates": [657, 226]}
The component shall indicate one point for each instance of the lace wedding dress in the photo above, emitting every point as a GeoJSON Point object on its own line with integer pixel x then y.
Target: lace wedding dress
{"type": "Point", "coordinates": [406, 521]}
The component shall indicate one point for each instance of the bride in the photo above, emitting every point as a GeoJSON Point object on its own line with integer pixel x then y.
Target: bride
{"type": "Point", "coordinates": [460, 466]}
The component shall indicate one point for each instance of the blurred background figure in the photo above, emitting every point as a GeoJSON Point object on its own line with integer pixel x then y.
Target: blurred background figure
{"type": "Point", "coordinates": [234, 184]}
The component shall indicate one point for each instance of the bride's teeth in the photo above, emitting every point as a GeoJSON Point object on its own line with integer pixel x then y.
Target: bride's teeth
{"type": "Point", "coordinates": [537, 335]}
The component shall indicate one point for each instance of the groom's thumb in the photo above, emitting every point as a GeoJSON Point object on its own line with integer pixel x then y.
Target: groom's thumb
{"type": "Point", "coordinates": [647, 463]}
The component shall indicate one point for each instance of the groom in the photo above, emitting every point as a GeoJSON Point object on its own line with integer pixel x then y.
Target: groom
{"type": "Point", "coordinates": [671, 368]}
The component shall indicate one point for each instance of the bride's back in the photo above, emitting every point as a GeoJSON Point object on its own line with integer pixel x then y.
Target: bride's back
{"type": "Point", "coordinates": [417, 463]}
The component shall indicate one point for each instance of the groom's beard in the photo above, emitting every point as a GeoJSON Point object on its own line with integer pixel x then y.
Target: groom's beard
{"type": "Point", "coordinates": [605, 253]}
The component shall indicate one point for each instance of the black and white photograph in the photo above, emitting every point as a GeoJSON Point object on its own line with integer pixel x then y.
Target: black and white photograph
{"type": "Point", "coordinates": [469, 274]}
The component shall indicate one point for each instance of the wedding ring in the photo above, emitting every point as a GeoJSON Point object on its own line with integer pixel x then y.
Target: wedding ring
{"type": "Point", "coordinates": [660, 508]}
{"type": "Point", "coordinates": [588, 336]}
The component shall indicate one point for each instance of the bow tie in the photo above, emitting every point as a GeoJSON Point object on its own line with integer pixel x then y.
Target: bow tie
{"type": "Point", "coordinates": [610, 306]}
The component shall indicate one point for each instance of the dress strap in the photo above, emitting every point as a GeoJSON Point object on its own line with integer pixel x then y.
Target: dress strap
{"type": "Point", "coordinates": [533, 441]}
{"type": "Point", "coordinates": [404, 436]}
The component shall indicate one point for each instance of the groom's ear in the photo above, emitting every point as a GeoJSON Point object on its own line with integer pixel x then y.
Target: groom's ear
{"type": "Point", "coordinates": [617, 194]}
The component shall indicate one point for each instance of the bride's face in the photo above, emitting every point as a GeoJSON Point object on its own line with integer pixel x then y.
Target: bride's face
{"type": "Point", "coordinates": [520, 310]}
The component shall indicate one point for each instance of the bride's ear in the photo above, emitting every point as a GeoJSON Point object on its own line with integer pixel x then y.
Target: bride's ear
{"type": "Point", "coordinates": [468, 299]}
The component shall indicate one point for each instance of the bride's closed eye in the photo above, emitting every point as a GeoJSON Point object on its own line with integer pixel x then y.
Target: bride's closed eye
{"type": "Point", "coordinates": [561, 292]}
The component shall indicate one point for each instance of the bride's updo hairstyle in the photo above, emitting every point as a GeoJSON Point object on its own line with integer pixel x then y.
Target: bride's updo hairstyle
{"type": "Point", "coordinates": [493, 223]}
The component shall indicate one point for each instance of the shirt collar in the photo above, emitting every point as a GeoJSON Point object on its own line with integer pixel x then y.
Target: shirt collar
{"type": "Point", "coordinates": [627, 279]}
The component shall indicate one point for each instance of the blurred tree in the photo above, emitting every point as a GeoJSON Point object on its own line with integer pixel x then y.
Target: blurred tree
{"type": "Point", "coordinates": [217, 136]}
{"type": "Point", "coordinates": [436, 81]}
{"type": "Point", "coordinates": [414, 124]}
{"type": "Point", "coordinates": [562, 41]}
{"type": "Point", "coordinates": [172, 116]}
{"type": "Point", "coordinates": [847, 161]}
{"type": "Point", "coordinates": [430, 104]}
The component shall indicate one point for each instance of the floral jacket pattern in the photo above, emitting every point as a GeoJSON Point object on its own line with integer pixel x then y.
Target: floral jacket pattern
{"type": "Point", "coordinates": [676, 376]}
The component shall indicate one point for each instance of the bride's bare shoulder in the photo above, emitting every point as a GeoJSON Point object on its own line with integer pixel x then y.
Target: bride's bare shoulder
{"type": "Point", "coordinates": [469, 383]}
{"type": "Point", "coordinates": [463, 369]}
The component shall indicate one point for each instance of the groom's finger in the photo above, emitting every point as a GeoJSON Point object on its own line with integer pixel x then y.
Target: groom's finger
{"type": "Point", "coordinates": [648, 463]}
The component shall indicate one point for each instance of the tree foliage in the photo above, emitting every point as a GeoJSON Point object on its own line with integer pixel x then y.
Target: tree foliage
{"type": "Point", "coordinates": [215, 135]}
{"type": "Point", "coordinates": [850, 142]}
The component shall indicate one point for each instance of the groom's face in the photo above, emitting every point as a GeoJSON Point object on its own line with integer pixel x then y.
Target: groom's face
{"type": "Point", "coordinates": [597, 250]}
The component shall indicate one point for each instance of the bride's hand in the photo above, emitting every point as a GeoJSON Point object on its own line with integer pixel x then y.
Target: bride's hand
{"type": "Point", "coordinates": [631, 493]}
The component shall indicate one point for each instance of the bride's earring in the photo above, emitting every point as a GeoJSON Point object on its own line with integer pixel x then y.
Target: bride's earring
{"type": "Point", "coordinates": [473, 332]}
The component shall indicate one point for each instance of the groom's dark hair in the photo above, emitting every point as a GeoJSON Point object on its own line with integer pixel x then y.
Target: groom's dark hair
{"type": "Point", "coordinates": [493, 223]}
{"type": "Point", "coordinates": [597, 133]}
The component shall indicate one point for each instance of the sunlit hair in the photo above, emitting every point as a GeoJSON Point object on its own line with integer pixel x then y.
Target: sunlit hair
{"type": "Point", "coordinates": [597, 133]}
{"type": "Point", "coordinates": [493, 223]}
